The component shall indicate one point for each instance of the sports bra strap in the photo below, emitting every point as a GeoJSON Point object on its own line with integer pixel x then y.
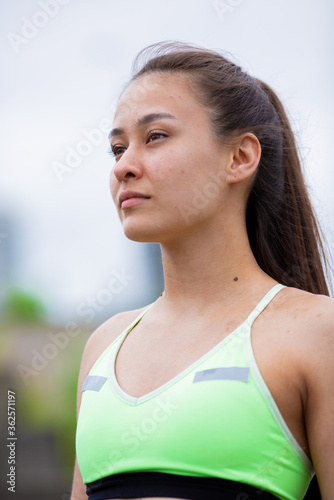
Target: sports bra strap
{"type": "Point", "coordinates": [136, 320]}
{"type": "Point", "coordinates": [263, 304]}
{"type": "Point", "coordinates": [250, 319]}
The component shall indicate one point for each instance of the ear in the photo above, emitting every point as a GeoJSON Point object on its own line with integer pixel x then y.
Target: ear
{"type": "Point", "coordinates": [246, 157]}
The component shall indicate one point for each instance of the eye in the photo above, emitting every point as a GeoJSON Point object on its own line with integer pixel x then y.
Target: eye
{"type": "Point", "coordinates": [154, 136]}
{"type": "Point", "coordinates": [116, 150]}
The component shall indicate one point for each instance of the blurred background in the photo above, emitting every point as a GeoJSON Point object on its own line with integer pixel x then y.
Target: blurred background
{"type": "Point", "coordinates": [65, 265]}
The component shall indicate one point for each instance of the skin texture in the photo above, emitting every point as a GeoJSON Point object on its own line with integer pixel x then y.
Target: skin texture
{"type": "Point", "coordinates": [196, 191]}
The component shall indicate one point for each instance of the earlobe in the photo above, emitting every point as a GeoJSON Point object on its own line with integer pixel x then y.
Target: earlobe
{"type": "Point", "coordinates": [246, 157]}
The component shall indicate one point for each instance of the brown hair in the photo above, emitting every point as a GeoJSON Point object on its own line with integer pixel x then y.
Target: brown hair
{"type": "Point", "coordinates": [283, 231]}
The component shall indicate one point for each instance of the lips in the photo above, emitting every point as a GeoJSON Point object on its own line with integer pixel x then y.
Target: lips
{"type": "Point", "coordinates": [129, 198]}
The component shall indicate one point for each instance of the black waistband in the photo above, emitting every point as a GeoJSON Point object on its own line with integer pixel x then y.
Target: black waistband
{"type": "Point", "coordinates": [158, 484]}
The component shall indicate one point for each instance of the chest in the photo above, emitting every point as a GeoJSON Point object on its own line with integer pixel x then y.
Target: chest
{"type": "Point", "coordinates": [149, 357]}
{"type": "Point", "coordinates": [147, 361]}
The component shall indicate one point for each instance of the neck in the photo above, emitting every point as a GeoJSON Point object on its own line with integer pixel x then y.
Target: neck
{"type": "Point", "coordinates": [201, 270]}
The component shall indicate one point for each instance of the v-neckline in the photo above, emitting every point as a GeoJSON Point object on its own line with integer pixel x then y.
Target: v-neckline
{"type": "Point", "coordinates": [134, 401]}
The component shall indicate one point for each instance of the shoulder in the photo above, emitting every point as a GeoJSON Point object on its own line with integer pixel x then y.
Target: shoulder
{"type": "Point", "coordinates": [311, 313]}
{"type": "Point", "coordinates": [307, 322]}
{"type": "Point", "coordinates": [101, 338]}
{"type": "Point", "coordinates": [299, 328]}
{"type": "Point", "coordinates": [314, 311]}
{"type": "Point", "coordinates": [105, 334]}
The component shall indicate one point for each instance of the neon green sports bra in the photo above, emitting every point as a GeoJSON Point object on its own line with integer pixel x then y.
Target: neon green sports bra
{"type": "Point", "coordinates": [216, 419]}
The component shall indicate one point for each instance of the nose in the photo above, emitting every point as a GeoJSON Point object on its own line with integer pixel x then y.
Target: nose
{"type": "Point", "coordinates": [127, 167]}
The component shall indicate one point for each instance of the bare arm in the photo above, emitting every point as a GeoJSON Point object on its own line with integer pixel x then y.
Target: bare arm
{"type": "Point", "coordinates": [96, 344]}
{"type": "Point", "coordinates": [78, 488]}
{"type": "Point", "coordinates": [319, 411]}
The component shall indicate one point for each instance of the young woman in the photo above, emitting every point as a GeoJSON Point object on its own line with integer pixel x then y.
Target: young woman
{"type": "Point", "coordinates": [223, 387]}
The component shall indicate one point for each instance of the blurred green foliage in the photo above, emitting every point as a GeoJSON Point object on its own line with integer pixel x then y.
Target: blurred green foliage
{"type": "Point", "coordinates": [22, 306]}
{"type": "Point", "coordinates": [48, 402]}
{"type": "Point", "coordinates": [46, 398]}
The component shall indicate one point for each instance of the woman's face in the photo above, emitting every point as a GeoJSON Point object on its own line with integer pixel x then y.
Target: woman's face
{"type": "Point", "coordinates": [169, 173]}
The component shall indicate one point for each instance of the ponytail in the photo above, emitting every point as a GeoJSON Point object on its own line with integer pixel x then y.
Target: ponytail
{"type": "Point", "coordinates": [287, 243]}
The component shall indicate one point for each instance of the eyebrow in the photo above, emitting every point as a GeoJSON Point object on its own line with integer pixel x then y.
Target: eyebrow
{"type": "Point", "coordinates": [144, 120]}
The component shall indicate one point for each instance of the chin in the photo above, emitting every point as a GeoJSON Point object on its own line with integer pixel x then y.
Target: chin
{"type": "Point", "coordinates": [143, 236]}
{"type": "Point", "coordinates": [151, 231]}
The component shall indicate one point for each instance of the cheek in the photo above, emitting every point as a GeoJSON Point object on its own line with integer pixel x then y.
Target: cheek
{"type": "Point", "coordinates": [113, 185]}
{"type": "Point", "coordinates": [171, 167]}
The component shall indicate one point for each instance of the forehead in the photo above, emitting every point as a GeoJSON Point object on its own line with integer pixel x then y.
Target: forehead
{"type": "Point", "coordinates": [155, 93]}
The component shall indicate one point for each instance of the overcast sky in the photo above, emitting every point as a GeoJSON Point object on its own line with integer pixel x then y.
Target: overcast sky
{"type": "Point", "coordinates": [64, 63]}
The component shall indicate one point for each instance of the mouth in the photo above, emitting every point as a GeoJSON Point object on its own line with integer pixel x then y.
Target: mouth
{"type": "Point", "coordinates": [128, 199]}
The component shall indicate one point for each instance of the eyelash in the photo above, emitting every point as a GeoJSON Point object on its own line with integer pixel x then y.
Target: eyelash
{"type": "Point", "coordinates": [113, 149]}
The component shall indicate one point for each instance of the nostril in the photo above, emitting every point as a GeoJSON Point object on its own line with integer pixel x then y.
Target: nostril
{"type": "Point", "coordinates": [127, 169]}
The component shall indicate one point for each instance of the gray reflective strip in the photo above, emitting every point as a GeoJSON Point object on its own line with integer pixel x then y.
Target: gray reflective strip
{"type": "Point", "coordinates": [223, 373]}
{"type": "Point", "coordinates": [93, 383]}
